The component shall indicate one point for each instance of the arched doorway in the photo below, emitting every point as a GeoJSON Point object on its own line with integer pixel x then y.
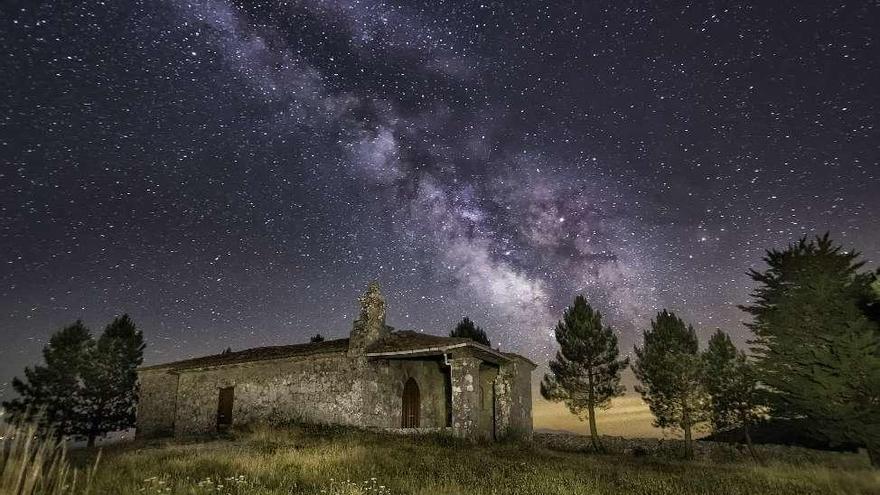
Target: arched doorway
{"type": "Point", "coordinates": [409, 417]}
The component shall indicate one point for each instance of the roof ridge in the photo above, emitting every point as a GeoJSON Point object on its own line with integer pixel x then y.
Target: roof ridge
{"type": "Point", "coordinates": [233, 357]}
{"type": "Point", "coordinates": [396, 341]}
{"type": "Point", "coordinates": [283, 345]}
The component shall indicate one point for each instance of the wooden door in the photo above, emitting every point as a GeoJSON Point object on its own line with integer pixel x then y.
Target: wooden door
{"type": "Point", "coordinates": [224, 408]}
{"type": "Point", "coordinates": [410, 411]}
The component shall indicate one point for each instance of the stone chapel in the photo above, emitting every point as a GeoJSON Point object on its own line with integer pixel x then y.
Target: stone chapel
{"type": "Point", "coordinates": [377, 378]}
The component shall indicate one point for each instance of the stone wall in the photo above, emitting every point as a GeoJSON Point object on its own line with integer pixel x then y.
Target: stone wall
{"type": "Point", "coordinates": [156, 404]}
{"type": "Point", "coordinates": [513, 392]}
{"type": "Point", "coordinates": [486, 397]}
{"type": "Point", "coordinates": [465, 373]}
{"type": "Point", "coordinates": [340, 389]}
{"type": "Point", "coordinates": [521, 406]}
{"type": "Point", "coordinates": [318, 389]}
{"type": "Point", "coordinates": [431, 376]}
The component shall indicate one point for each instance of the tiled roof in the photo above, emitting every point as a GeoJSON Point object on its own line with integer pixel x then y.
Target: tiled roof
{"type": "Point", "coordinates": [257, 354]}
{"type": "Point", "coordinates": [406, 340]}
{"type": "Point", "coordinates": [396, 342]}
{"type": "Point", "coordinates": [514, 355]}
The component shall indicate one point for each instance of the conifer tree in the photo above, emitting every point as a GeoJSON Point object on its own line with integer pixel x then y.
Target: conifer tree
{"type": "Point", "coordinates": [110, 381]}
{"type": "Point", "coordinates": [817, 345]}
{"type": "Point", "coordinates": [51, 394]}
{"type": "Point", "coordinates": [732, 385]}
{"type": "Point", "coordinates": [585, 374]}
{"type": "Point", "coordinates": [670, 370]}
{"type": "Point", "coordinates": [467, 329]}
{"type": "Point", "coordinates": [86, 388]}
{"type": "Point", "coordinates": [871, 302]}
{"type": "Point", "coordinates": [316, 338]}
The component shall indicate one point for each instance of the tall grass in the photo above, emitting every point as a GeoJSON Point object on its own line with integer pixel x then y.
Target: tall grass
{"type": "Point", "coordinates": [308, 460]}
{"type": "Point", "coordinates": [32, 463]}
{"type": "Point", "coordinates": [312, 460]}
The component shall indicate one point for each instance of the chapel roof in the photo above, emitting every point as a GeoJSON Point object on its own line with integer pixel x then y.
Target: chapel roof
{"type": "Point", "coordinates": [256, 354]}
{"type": "Point", "coordinates": [397, 342]}
{"type": "Point", "coordinates": [407, 340]}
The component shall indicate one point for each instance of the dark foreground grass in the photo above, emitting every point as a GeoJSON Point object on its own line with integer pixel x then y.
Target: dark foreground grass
{"type": "Point", "coordinates": [338, 461]}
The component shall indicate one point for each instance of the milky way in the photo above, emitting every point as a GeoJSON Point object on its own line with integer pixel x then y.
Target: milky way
{"type": "Point", "coordinates": [233, 174]}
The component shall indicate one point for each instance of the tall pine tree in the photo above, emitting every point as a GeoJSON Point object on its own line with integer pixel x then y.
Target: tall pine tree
{"type": "Point", "coordinates": [110, 382]}
{"type": "Point", "coordinates": [51, 394]}
{"type": "Point", "coordinates": [467, 329]}
{"type": "Point", "coordinates": [586, 372]}
{"type": "Point", "coordinates": [817, 345]}
{"type": "Point", "coordinates": [732, 385]}
{"type": "Point", "coordinates": [670, 370]}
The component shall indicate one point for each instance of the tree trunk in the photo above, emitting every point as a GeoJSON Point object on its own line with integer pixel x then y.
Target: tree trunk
{"type": "Point", "coordinates": [93, 430]}
{"type": "Point", "coordinates": [594, 435]}
{"type": "Point", "coordinates": [591, 409]}
{"type": "Point", "coordinates": [749, 445]}
{"type": "Point", "coordinates": [874, 455]}
{"type": "Point", "coordinates": [688, 441]}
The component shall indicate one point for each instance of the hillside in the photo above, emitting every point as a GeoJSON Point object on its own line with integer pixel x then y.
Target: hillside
{"type": "Point", "coordinates": [313, 460]}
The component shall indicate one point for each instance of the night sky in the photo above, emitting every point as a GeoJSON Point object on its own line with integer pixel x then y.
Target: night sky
{"type": "Point", "coordinates": [233, 174]}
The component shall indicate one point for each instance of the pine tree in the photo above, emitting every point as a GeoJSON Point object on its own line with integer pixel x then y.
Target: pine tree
{"type": "Point", "coordinates": [818, 348]}
{"type": "Point", "coordinates": [585, 374]}
{"type": "Point", "coordinates": [670, 370]}
{"type": "Point", "coordinates": [86, 388]}
{"type": "Point", "coordinates": [871, 301]}
{"type": "Point", "coordinates": [110, 381]}
{"type": "Point", "coordinates": [51, 395]}
{"type": "Point", "coordinates": [317, 338]}
{"type": "Point", "coordinates": [732, 385]}
{"type": "Point", "coordinates": [467, 329]}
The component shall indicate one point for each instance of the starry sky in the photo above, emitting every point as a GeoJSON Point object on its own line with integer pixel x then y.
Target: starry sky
{"type": "Point", "coordinates": [233, 174]}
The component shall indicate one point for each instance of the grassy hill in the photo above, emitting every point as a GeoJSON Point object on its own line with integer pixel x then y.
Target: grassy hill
{"type": "Point", "coordinates": [313, 460]}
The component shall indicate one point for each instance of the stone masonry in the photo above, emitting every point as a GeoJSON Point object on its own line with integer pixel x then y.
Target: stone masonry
{"type": "Point", "coordinates": [463, 387]}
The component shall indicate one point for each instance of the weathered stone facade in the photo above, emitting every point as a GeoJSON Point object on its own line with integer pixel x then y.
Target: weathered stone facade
{"type": "Point", "coordinates": [462, 387]}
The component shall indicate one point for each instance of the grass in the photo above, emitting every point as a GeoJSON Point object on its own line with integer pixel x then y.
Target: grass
{"type": "Point", "coordinates": [31, 464]}
{"type": "Point", "coordinates": [323, 460]}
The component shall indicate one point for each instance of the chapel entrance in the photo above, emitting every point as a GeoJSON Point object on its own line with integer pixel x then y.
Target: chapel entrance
{"type": "Point", "coordinates": [410, 411]}
{"type": "Point", "coordinates": [224, 408]}
{"type": "Point", "coordinates": [488, 414]}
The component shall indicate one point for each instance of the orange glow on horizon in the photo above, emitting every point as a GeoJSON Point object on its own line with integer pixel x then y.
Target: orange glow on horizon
{"type": "Point", "coordinates": [628, 416]}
